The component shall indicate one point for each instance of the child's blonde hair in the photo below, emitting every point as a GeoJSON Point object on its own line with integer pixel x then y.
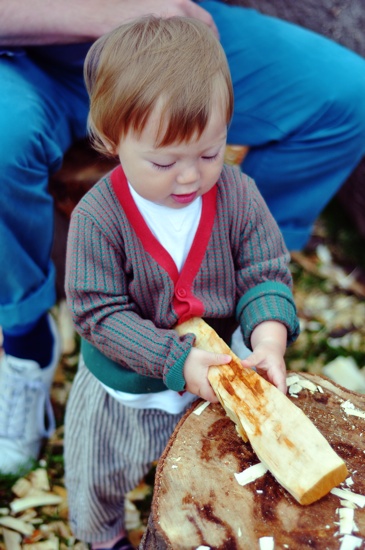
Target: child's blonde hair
{"type": "Point", "coordinates": [128, 71]}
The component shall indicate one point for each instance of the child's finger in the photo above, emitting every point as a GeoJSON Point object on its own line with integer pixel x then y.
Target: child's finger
{"type": "Point", "coordinates": [219, 359]}
{"type": "Point", "coordinates": [279, 380]}
{"type": "Point", "coordinates": [208, 394]}
{"type": "Point", "coordinates": [251, 361]}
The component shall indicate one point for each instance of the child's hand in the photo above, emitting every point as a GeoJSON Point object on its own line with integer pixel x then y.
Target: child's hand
{"type": "Point", "coordinates": [268, 360]}
{"type": "Point", "coordinates": [268, 340]}
{"type": "Point", "coordinates": [196, 372]}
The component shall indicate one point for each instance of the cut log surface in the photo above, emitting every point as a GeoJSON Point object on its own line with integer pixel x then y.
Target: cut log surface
{"type": "Point", "coordinates": [282, 436]}
{"type": "Point", "coordinates": [198, 501]}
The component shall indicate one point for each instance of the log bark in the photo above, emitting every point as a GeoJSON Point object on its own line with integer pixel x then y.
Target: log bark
{"type": "Point", "coordinates": [282, 436]}
{"type": "Point", "coordinates": [197, 500]}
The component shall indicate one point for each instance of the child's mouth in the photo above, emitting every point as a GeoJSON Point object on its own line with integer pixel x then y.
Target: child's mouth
{"type": "Point", "coordinates": [184, 199]}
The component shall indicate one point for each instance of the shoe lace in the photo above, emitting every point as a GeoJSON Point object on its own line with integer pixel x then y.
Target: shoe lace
{"type": "Point", "coordinates": [17, 398]}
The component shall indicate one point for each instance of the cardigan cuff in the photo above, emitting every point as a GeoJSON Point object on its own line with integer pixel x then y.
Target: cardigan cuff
{"type": "Point", "coordinates": [269, 301]}
{"type": "Point", "coordinates": [174, 378]}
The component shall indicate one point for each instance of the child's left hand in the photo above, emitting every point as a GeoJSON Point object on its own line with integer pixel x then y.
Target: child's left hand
{"type": "Point", "coordinates": [268, 340]}
{"type": "Point", "coordinates": [268, 360]}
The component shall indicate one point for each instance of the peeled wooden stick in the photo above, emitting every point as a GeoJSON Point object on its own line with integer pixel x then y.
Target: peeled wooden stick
{"type": "Point", "coordinates": [282, 436]}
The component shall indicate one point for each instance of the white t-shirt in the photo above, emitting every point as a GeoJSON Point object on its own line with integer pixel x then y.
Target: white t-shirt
{"type": "Point", "coordinates": [175, 229]}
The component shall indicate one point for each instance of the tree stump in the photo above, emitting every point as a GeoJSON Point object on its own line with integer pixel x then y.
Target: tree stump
{"type": "Point", "coordinates": [198, 502]}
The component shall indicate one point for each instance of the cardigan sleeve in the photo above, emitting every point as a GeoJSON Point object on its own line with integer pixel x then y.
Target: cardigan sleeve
{"type": "Point", "coordinates": [263, 278]}
{"type": "Point", "coordinates": [105, 315]}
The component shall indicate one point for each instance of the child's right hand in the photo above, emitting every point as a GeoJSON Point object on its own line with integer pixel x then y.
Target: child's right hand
{"type": "Point", "coordinates": [196, 372]}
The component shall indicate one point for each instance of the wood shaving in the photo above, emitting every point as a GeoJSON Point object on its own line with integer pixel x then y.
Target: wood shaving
{"type": "Point", "coordinates": [201, 408]}
{"type": "Point", "coordinates": [39, 479]}
{"type": "Point", "coordinates": [51, 544]}
{"type": "Point", "coordinates": [17, 525]}
{"type": "Point", "coordinates": [349, 542]}
{"type": "Point", "coordinates": [347, 524]}
{"type": "Point", "coordinates": [296, 384]}
{"type": "Point", "coordinates": [293, 379]}
{"type": "Point", "coordinates": [21, 487]}
{"type": "Point", "coordinates": [348, 504]}
{"type": "Point", "coordinates": [350, 496]}
{"type": "Point", "coordinates": [47, 499]}
{"type": "Point", "coordinates": [251, 474]}
{"type": "Point", "coordinates": [267, 543]}
{"type": "Point", "coordinates": [12, 539]}
{"type": "Point", "coordinates": [351, 410]}
{"type": "Point", "coordinates": [294, 389]}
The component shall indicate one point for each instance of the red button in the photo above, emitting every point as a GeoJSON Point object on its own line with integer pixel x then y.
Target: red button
{"type": "Point", "coordinates": [181, 292]}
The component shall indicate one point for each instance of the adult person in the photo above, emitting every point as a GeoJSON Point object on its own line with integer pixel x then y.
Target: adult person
{"type": "Point", "coordinates": [299, 106]}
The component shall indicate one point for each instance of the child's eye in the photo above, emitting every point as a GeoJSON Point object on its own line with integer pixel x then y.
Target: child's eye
{"type": "Point", "coordinates": [210, 157]}
{"type": "Point", "coordinates": [162, 166]}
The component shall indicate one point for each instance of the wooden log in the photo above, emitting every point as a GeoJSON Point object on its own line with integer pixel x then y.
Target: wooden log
{"type": "Point", "coordinates": [282, 436]}
{"type": "Point", "coordinates": [197, 500]}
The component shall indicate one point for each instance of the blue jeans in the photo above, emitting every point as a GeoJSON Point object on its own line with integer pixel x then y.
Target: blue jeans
{"type": "Point", "coordinates": [43, 109]}
{"type": "Point", "coordinates": [299, 105]}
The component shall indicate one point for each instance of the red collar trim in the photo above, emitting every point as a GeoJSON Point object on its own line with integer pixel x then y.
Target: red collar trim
{"type": "Point", "coordinates": [185, 303]}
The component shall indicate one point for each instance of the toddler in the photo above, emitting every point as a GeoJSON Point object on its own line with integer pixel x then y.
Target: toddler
{"type": "Point", "coordinates": [169, 234]}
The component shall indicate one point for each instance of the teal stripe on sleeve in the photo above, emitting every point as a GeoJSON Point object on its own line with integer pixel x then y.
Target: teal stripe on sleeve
{"type": "Point", "coordinates": [269, 301]}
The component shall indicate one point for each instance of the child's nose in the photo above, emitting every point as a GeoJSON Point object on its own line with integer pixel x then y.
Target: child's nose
{"type": "Point", "coordinates": [189, 175]}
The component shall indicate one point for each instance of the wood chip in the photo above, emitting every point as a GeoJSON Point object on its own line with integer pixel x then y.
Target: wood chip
{"type": "Point", "coordinates": [294, 389]}
{"type": "Point", "coordinates": [308, 385]}
{"type": "Point", "coordinates": [17, 525]}
{"type": "Point", "coordinates": [201, 408]}
{"type": "Point", "coordinates": [12, 539]}
{"type": "Point", "coordinates": [350, 496]}
{"type": "Point", "coordinates": [21, 487]}
{"type": "Point", "coordinates": [48, 499]}
{"type": "Point", "coordinates": [267, 543]}
{"type": "Point", "coordinates": [66, 329]}
{"type": "Point", "coordinates": [132, 515]}
{"type": "Point", "coordinates": [348, 504]}
{"type": "Point", "coordinates": [29, 515]}
{"type": "Point", "coordinates": [347, 524]}
{"type": "Point", "coordinates": [293, 379]}
{"type": "Point", "coordinates": [296, 384]}
{"type": "Point", "coordinates": [349, 542]}
{"type": "Point", "coordinates": [39, 479]}
{"type": "Point", "coordinates": [51, 544]}
{"type": "Point", "coordinates": [251, 474]}
{"type": "Point", "coordinates": [351, 410]}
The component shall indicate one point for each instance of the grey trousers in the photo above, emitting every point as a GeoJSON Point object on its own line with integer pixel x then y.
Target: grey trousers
{"type": "Point", "coordinates": [109, 448]}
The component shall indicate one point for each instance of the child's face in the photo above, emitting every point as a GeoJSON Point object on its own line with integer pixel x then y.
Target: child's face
{"type": "Point", "coordinates": [174, 175]}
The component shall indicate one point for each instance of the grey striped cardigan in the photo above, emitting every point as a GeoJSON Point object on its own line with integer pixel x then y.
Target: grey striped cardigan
{"type": "Point", "coordinates": [126, 295]}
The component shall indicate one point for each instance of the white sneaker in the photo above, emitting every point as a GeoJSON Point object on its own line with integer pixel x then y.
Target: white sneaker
{"type": "Point", "coordinates": [25, 408]}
